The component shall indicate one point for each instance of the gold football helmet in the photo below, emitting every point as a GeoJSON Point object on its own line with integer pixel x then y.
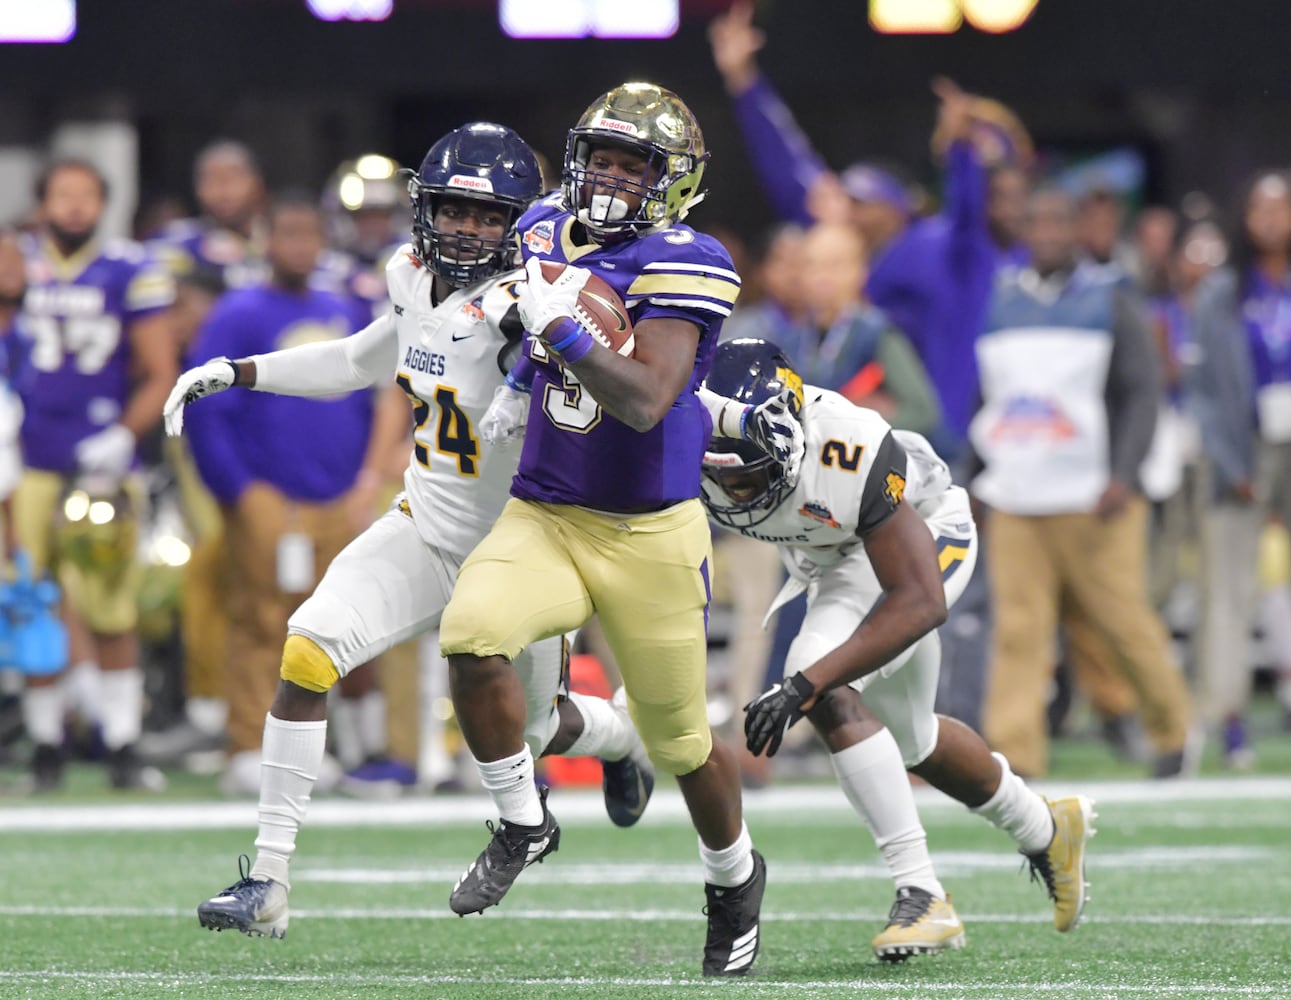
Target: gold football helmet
{"type": "Point", "coordinates": [654, 121]}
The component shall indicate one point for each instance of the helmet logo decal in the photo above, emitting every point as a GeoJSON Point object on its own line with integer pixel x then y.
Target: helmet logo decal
{"type": "Point", "coordinates": [470, 183]}
{"type": "Point", "coordinates": [541, 237]}
{"type": "Point", "coordinates": [792, 380]}
{"type": "Point", "coordinates": [614, 125]}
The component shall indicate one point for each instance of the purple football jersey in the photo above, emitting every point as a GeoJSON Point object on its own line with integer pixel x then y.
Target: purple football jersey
{"type": "Point", "coordinates": [74, 329]}
{"type": "Point", "coordinates": [575, 452]}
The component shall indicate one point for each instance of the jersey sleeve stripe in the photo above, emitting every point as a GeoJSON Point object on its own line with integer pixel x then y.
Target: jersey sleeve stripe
{"type": "Point", "coordinates": [150, 290]}
{"type": "Point", "coordinates": [708, 305]}
{"type": "Point", "coordinates": [683, 267]}
{"type": "Point", "coordinates": [650, 285]}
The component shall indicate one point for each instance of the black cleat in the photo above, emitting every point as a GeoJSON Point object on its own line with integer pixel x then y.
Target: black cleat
{"type": "Point", "coordinates": [46, 768]}
{"type": "Point", "coordinates": [512, 849]}
{"type": "Point", "coordinates": [256, 907]}
{"type": "Point", "coordinates": [733, 941]}
{"type": "Point", "coordinates": [127, 772]}
{"type": "Point", "coordinates": [627, 784]}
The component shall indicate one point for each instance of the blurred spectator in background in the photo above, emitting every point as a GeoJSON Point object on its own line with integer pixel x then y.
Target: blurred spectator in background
{"type": "Point", "coordinates": [13, 284]}
{"type": "Point", "coordinates": [747, 574]}
{"type": "Point", "coordinates": [98, 362]}
{"type": "Point", "coordinates": [1156, 238]}
{"type": "Point", "coordinates": [1069, 388]}
{"type": "Point", "coordinates": [931, 276]}
{"type": "Point", "coordinates": [229, 234]}
{"type": "Point", "coordinates": [774, 295]}
{"type": "Point", "coordinates": [847, 345]}
{"type": "Point", "coordinates": [197, 740]}
{"type": "Point", "coordinates": [285, 494]}
{"type": "Point", "coordinates": [1241, 390]}
{"type": "Point", "coordinates": [1006, 206]}
{"type": "Point", "coordinates": [1102, 227]}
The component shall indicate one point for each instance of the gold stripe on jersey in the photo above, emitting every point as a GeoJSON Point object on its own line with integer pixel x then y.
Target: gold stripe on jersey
{"type": "Point", "coordinates": [951, 554]}
{"type": "Point", "coordinates": [690, 285]}
{"type": "Point", "coordinates": [573, 251]}
{"type": "Point", "coordinates": [150, 289]}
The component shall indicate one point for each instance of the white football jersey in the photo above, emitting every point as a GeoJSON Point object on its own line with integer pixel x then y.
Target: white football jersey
{"type": "Point", "coordinates": [451, 359]}
{"type": "Point", "coordinates": [853, 476]}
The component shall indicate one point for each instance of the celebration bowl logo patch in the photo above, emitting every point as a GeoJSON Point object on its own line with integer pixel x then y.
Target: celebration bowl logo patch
{"type": "Point", "coordinates": [475, 309]}
{"type": "Point", "coordinates": [541, 237]}
{"type": "Point", "coordinates": [818, 512]}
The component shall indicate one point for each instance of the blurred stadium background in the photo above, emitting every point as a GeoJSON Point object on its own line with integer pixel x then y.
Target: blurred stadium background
{"type": "Point", "coordinates": [1159, 105]}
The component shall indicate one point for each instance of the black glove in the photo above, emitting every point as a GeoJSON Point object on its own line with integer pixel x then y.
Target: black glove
{"type": "Point", "coordinates": [771, 713]}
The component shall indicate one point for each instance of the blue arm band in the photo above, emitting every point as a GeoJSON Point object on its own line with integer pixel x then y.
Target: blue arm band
{"type": "Point", "coordinates": [574, 343]}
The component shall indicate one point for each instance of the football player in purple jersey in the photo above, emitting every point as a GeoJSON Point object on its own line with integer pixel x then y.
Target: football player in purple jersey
{"type": "Point", "coordinates": [98, 362]}
{"type": "Point", "coordinates": [604, 516]}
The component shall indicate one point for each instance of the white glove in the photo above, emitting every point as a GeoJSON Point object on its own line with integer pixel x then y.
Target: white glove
{"type": "Point", "coordinates": [773, 426]}
{"type": "Point", "coordinates": [542, 302]}
{"type": "Point", "coordinates": [107, 453]}
{"type": "Point", "coordinates": [205, 380]}
{"type": "Point", "coordinates": [503, 422]}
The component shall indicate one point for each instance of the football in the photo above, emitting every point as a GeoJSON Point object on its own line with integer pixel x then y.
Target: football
{"type": "Point", "coordinates": [600, 311]}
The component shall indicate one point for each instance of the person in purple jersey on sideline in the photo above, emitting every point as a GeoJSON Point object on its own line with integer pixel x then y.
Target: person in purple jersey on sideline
{"type": "Point", "coordinates": [284, 495]}
{"type": "Point", "coordinates": [604, 516]}
{"type": "Point", "coordinates": [932, 276]}
{"type": "Point", "coordinates": [98, 361]}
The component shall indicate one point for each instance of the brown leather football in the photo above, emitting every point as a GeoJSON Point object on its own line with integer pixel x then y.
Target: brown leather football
{"type": "Point", "coordinates": [600, 311]}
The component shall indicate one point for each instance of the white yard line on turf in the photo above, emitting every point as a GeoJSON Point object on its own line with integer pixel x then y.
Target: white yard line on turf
{"type": "Point", "coordinates": [919, 989]}
{"type": "Point", "coordinates": [639, 916]}
{"type": "Point", "coordinates": [577, 806]}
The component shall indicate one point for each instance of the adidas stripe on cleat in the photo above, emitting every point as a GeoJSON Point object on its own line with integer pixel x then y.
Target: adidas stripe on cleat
{"type": "Point", "coordinates": [256, 907]}
{"type": "Point", "coordinates": [1061, 866]}
{"type": "Point", "coordinates": [918, 924]}
{"type": "Point", "coordinates": [512, 849]}
{"type": "Point", "coordinates": [733, 918]}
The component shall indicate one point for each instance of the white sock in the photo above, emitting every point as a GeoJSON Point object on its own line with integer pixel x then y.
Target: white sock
{"type": "Point", "coordinates": [121, 706]}
{"type": "Point", "coordinates": [607, 730]}
{"type": "Point", "coordinates": [84, 691]}
{"type": "Point", "coordinates": [874, 780]}
{"type": "Point", "coordinates": [370, 724]}
{"type": "Point", "coordinates": [731, 866]}
{"type": "Point", "coordinates": [509, 782]}
{"type": "Point", "coordinates": [42, 714]}
{"type": "Point", "coordinates": [1018, 811]}
{"type": "Point", "coordinates": [291, 754]}
{"type": "Point", "coordinates": [209, 715]}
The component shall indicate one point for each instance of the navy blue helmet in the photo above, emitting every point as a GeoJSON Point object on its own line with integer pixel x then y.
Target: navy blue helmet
{"type": "Point", "coordinates": [743, 485]}
{"type": "Point", "coordinates": [482, 162]}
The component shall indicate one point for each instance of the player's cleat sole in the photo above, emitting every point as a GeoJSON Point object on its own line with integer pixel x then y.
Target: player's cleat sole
{"type": "Point", "coordinates": [256, 907]}
{"type": "Point", "coordinates": [733, 923]}
{"type": "Point", "coordinates": [627, 783]}
{"type": "Point", "coordinates": [1061, 866]}
{"type": "Point", "coordinates": [918, 924]}
{"type": "Point", "coordinates": [512, 849]}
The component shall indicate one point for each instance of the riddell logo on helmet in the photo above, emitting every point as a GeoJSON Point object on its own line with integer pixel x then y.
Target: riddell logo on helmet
{"type": "Point", "coordinates": [470, 183]}
{"type": "Point", "coordinates": [614, 125]}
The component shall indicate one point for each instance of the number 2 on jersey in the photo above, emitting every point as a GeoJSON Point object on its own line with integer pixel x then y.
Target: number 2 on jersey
{"type": "Point", "coordinates": [453, 433]}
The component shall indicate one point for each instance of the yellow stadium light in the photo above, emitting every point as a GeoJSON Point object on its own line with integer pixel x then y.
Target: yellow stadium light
{"type": "Point", "coordinates": [351, 191]}
{"type": "Point", "coordinates": [998, 16]}
{"type": "Point", "coordinates": [375, 167]}
{"type": "Point", "coordinates": [915, 17]}
{"type": "Point", "coordinates": [943, 17]}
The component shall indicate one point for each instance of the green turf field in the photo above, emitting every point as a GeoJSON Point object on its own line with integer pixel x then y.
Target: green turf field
{"type": "Point", "coordinates": [1191, 898]}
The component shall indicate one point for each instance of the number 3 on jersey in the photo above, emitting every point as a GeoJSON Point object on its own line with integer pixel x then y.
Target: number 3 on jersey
{"type": "Point", "coordinates": [453, 434]}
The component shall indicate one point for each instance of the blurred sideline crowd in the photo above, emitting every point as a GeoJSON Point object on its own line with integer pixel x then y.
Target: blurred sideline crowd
{"type": "Point", "coordinates": [178, 561]}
